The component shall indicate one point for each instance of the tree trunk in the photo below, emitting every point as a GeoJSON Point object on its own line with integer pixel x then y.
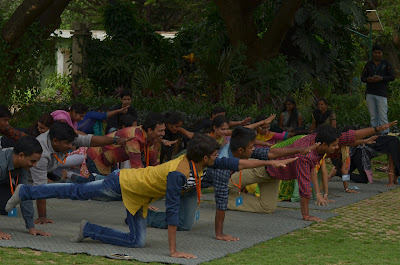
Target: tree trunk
{"type": "Point", "coordinates": [390, 54]}
{"type": "Point", "coordinates": [47, 12]}
{"type": "Point", "coordinates": [50, 19]}
{"type": "Point", "coordinates": [238, 18]}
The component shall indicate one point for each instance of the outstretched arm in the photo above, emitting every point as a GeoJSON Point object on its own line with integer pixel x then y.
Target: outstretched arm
{"type": "Point", "coordinates": [253, 163]}
{"type": "Point", "coordinates": [362, 133]}
{"type": "Point", "coordinates": [186, 133]}
{"type": "Point", "coordinates": [115, 112]}
{"type": "Point", "coordinates": [275, 153]}
{"type": "Point", "coordinates": [244, 122]}
{"type": "Point", "coordinates": [370, 140]}
{"type": "Point", "coordinates": [105, 140]}
{"type": "Point", "coordinates": [260, 123]}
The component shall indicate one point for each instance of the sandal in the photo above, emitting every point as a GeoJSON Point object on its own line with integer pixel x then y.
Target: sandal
{"type": "Point", "coordinates": [382, 169]}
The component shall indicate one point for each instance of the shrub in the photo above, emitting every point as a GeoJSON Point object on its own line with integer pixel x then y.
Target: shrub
{"type": "Point", "coordinates": [58, 87]}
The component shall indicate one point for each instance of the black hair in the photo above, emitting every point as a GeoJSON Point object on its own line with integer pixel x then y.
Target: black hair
{"type": "Point", "coordinates": [349, 127]}
{"type": "Point", "coordinates": [127, 120]}
{"type": "Point", "coordinates": [125, 93]}
{"type": "Point", "coordinates": [218, 121]}
{"type": "Point", "coordinates": [4, 112]}
{"type": "Point", "coordinates": [173, 117]}
{"type": "Point", "coordinates": [79, 108]}
{"type": "Point", "coordinates": [201, 145]}
{"type": "Point", "coordinates": [377, 48]}
{"type": "Point", "coordinates": [46, 119]}
{"type": "Point", "coordinates": [260, 118]}
{"type": "Point", "coordinates": [28, 145]}
{"type": "Point", "coordinates": [103, 108]}
{"type": "Point", "coordinates": [241, 137]}
{"type": "Point", "coordinates": [152, 119]}
{"type": "Point", "coordinates": [62, 131]}
{"type": "Point", "coordinates": [294, 115]}
{"type": "Point", "coordinates": [323, 100]}
{"type": "Point", "coordinates": [218, 109]}
{"type": "Point", "coordinates": [327, 134]}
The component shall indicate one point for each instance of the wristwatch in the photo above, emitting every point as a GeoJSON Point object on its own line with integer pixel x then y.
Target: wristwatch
{"type": "Point", "coordinates": [115, 139]}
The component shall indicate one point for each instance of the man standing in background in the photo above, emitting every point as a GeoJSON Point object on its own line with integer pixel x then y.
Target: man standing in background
{"type": "Point", "coordinates": [376, 74]}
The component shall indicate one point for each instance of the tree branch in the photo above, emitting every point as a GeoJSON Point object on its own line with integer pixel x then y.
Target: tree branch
{"type": "Point", "coordinates": [50, 19]}
{"type": "Point", "coordinates": [26, 13]}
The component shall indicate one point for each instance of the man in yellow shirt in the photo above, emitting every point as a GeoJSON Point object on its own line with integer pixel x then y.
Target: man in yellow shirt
{"type": "Point", "coordinates": [137, 188]}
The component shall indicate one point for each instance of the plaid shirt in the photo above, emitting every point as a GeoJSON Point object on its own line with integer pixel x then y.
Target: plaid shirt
{"type": "Point", "coordinates": [106, 157]}
{"type": "Point", "coordinates": [301, 168]}
{"type": "Point", "coordinates": [12, 133]}
{"type": "Point", "coordinates": [221, 176]}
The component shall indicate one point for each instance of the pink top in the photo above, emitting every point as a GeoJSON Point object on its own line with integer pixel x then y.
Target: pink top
{"type": "Point", "coordinates": [62, 115]}
{"type": "Point", "coordinates": [272, 137]}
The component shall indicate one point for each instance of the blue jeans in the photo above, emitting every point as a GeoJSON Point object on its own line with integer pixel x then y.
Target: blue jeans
{"type": "Point", "coordinates": [377, 108]}
{"type": "Point", "coordinates": [187, 213]}
{"type": "Point", "coordinates": [93, 169]}
{"type": "Point", "coordinates": [108, 189]}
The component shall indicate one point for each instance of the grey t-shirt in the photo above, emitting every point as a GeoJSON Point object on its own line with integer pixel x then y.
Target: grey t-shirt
{"type": "Point", "coordinates": [48, 162]}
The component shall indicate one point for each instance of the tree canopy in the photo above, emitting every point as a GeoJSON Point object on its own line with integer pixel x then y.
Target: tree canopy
{"type": "Point", "coordinates": [245, 47]}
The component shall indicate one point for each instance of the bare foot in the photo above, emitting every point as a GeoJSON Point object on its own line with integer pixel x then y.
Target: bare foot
{"type": "Point", "coordinates": [4, 236]}
{"type": "Point", "coordinates": [313, 218]}
{"type": "Point", "coordinates": [227, 238]}
{"type": "Point", "coordinates": [390, 185]}
{"type": "Point", "coordinates": [351, 191]}
{"type": "Point", "coordinates": [153, 208]}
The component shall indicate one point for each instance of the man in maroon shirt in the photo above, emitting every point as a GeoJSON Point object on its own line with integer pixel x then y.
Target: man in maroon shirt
{"type": "Point", "coordinates": [330, 139]}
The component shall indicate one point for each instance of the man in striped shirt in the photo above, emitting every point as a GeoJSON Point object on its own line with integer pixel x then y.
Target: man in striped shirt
{"type": "Point", "coordinates": [141, 151]}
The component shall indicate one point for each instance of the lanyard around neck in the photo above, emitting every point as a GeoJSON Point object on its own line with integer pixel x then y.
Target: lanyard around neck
{"type": "Point", "coordinates": [240, 181]}
{"type": "Point", "coordinates": [16, 182]}
{"type": "Point", "coordinates": [59, 160]}
{"type": "Point", "coordinates": [317, 167]}
{"type": "Point", "coordinates": [146, 151]}
{"type": "Point", "coordinates": [197, 180]}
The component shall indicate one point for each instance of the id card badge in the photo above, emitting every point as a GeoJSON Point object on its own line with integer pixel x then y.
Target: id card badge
{"type": "Point", "coordinates": [197, 215]}
{"type": "Point", "coordinates": [239, 201]}
{"type": "Point", "coordinates": [12, 213]}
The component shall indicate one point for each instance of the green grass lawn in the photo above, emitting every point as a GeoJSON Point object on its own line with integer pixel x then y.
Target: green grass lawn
{"type": "Point", "coordinates": [367, 232]}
